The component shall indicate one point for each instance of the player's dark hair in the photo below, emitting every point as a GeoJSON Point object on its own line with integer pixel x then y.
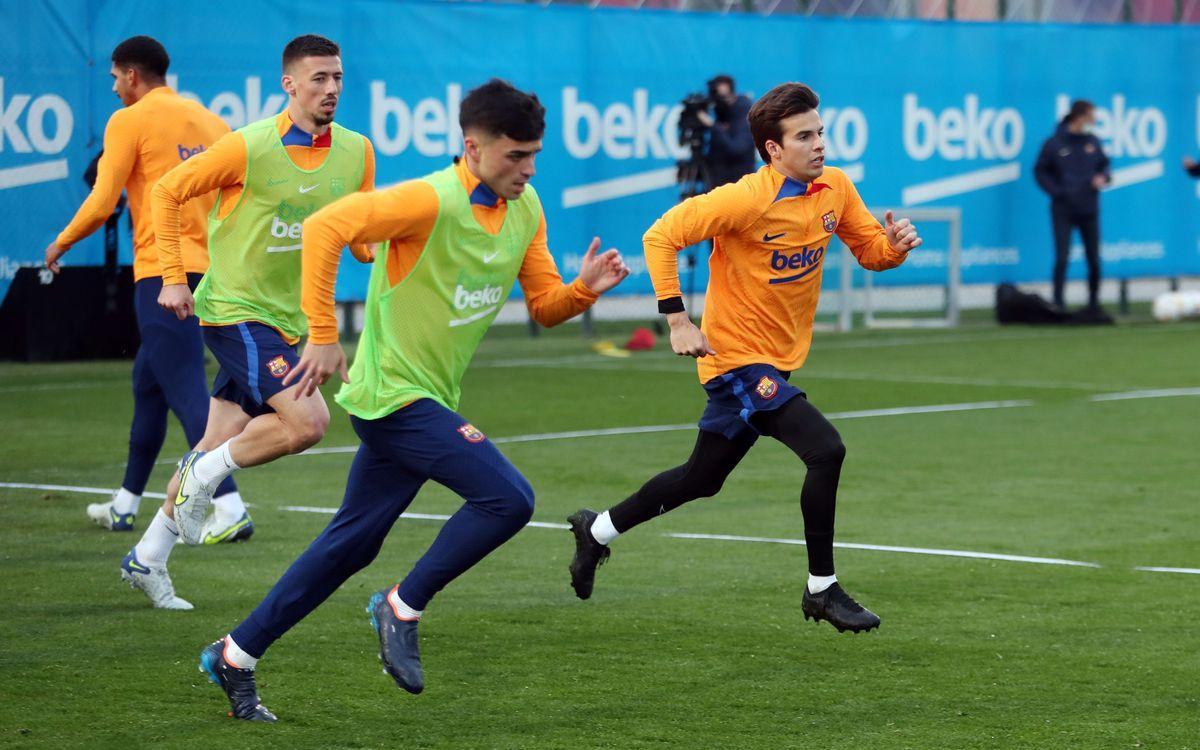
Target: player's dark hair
{"type": "Point", "coordinates": [499, 108]}
{"type": "Point", "coordinates": [1079, 108]}
{"type": "Point", "coordinates": [145, 55]}
{"type": "Point", "coordinates": [309, 45]}
{"type": "Point", "coordinates": [717, 80]}
{"type": "Point", "coordinates": [769, 112]}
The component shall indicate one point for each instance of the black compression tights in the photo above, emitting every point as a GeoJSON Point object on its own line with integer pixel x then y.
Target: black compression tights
{"type": "Point", "coordinates": [798, 425]}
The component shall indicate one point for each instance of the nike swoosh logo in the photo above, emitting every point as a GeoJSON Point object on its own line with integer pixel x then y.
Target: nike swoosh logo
{"type": "Point", "coordinates": [772, 237]}
{"type": "Point", "coordinates": [310, 188]}
{"type": "Point", "coordinates": [489, 258]}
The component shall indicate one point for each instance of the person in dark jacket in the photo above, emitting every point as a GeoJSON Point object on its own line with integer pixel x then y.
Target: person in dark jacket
{"type": "Point", "coordinates": [1191, 166]}
{"type": "Point", "coordinates": [1072, 168]}
{"type": "Point", "coordinates": [731, 151]}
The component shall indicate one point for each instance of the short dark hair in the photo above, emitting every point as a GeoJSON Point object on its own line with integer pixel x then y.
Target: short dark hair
{"type": "Point", "coordinates": [144, 54]}
{"type": "Point", "coordinates": [773, 107]}
{"type": "Point", "coordinates": [717, 80]}
{"type": "Point", "coordinates": [1079, 108]}
{"type": "Point", "coordinates": [309, 45]}
{"type": "Point", "coordinates": [499, 108]}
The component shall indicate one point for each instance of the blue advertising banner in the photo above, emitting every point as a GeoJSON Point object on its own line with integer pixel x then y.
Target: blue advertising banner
{"type": "Point", "coordinates": [918, 113]}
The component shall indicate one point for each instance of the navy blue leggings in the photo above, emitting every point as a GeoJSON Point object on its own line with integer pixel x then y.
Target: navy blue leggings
{"type": "Point", "coordinates": [399, 453]}
{"type": "Point", "coordinates": [168, 375]}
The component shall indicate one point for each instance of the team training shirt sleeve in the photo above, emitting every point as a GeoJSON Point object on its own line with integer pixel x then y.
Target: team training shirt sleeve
{"type": "Point", "coordinates": [222, 165]}
{"type": "Point", "coordinates": [863, 234]}
{"type": "Point", "coordinates": [405, 210]}
{"type": "Point", "coordinates": [116, 164]}
{"type": "Point", "coordinates": [363, 252]}
{"type": "Point", "coordinates": [723, 210]}
{"type": "Point", "coordinates": [549, 301]}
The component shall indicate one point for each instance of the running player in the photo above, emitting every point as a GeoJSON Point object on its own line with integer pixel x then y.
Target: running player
{"type": "Point", "coordinates": [455, 241]}
{"type": "Point", "coordinates": [270, 175]}
{"type": "Point", "coordinates": [771, 230]}
{"type": "Point", "coordinates": [155, 131]}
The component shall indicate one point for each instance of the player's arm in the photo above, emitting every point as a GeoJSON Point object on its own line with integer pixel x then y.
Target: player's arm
{"type": "Point", "coordinates": [877, 248]}
{"type": "Point", "coordinates": [116, 164]}
{"type": "Point", "coordinates": [222, 165]}
{"type": "Point", "coordinates": [548, 299]}
{"type": "Point", "coordinates": [364, 253]}
{"type": "Point", "coordinates": [1103, 176]}
{"type": "Point", "coordinates": [726, 209]}
{"type": "Point", "coordinates": [363, 219]}
{"type": "Point", "coordinates": [1044, 171]}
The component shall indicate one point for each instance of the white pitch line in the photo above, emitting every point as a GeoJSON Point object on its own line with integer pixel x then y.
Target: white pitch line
{"type": "Point", "coordinates": [1152, 393]}
{"type": "Point", "coordinates": [645, 429]}
{"type": "Point", "coordinates": [1193, 571]}
{"type": "Point", "coordinates": [71, 488]}
{"type": "Point", "coordinates": [678, 535]}
{"type": "Point", "coordinates": [889, 548]}
{"type": "Point", "coordinates": [414, 516]}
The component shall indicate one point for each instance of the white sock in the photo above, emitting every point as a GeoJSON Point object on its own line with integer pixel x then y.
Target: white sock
{"type": "Point", "coordinates": [236, 657]}
{"type": "Point", "coordinates": [125, 501]}
{"type": "Point", "coordinates": [603, 530]}
{"type": "Point", "coordinates": [228, 508]}
{"type": "Point", "coordinates": [155, 546]}
{"type": "Point", "coordinates": [402, 610]}
{"type": "Point", "coordinates": [817, 584]}
{"type": "Point", "coordinates": [214, 466]}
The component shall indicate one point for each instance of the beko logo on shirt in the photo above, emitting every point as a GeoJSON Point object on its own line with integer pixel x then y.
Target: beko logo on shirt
{"type": "Point", "coordinates": [474, 299]}
{"type": "Point", "coordinates": [807, 260]}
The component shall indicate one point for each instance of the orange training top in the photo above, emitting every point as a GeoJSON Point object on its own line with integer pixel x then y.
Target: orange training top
{"type": "Point", "coordinates": [142, 142]}
{"type": "Point", "coordinates": [771, 235]}
{"type": "Point", "coordinates": [224, 166]}
{"type": "Point", "coordinates": [403, 216]}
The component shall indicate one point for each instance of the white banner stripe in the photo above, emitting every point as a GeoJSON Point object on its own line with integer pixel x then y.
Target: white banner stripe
{"type": "Point", "coordinates": [619, 187]}
{"type": "Point", "coordinates": [47, 171]}
{"type": "Point", "coordinates": [1137, 173]}
{"type": "Point", "coordinates": [925, 192]}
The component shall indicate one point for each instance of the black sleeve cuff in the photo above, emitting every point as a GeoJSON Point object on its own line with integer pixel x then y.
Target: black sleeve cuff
{"type": "Point", "coordinates": [670, 305]}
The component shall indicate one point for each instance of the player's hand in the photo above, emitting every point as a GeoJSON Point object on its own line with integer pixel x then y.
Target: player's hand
{"type": "Point", "coordinates": [178, 299]}
{"type": "Point", "coordinates": [604, 271]}
{"type": "Point", "coordinates": [53, 253]}
{"type": "Point", "coordinates": [901, 235]}
{"type": "Point", "coordinates": [1099, 181]}
{"type": "Point", "coordinates": [686, 339]}
{"type": "Point", "coordinates": [1188, 162]}
{"type": "Point", "coordinates": [317, 363]}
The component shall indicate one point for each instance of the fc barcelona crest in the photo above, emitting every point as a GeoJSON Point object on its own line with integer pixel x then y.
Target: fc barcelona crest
{"type": "Point", "coordinates": [278, 367]}
{"type": "Point", "coordinates": [829, 220]}
{"type": "Point", "coordinates": [470, 434]}
{"type": "Point", "coordinates": [767, 388]}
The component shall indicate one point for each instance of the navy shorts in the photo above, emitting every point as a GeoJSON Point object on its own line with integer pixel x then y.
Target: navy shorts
{"type": "Point", "coordinates": [254, 359]}
{"type": "Point", "coordinates": [736, 396]}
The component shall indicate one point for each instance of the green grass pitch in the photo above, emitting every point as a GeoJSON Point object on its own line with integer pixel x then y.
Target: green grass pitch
{"type": "Point", "coordinates": [687, 643]}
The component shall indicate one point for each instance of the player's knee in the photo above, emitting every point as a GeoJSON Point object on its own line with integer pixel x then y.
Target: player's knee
{"type": "Point", "coordinates": [518, 501]}
{"type": "Point", "coordinates": [307, 431]}
{"type": "Point", "coordinates": [704, 485]}
{"type": "Point", "coordinates": [830, 451]}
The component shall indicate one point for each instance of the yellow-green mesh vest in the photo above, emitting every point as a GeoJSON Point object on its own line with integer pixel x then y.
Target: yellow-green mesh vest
{"type": "Point", "coordinates": [419, 335]}
{"type": "Point", "coordinates": [254, 251]}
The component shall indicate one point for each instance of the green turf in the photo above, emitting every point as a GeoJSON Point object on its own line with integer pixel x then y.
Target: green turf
{"type": "Point", "coordinates": [686, 643]}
